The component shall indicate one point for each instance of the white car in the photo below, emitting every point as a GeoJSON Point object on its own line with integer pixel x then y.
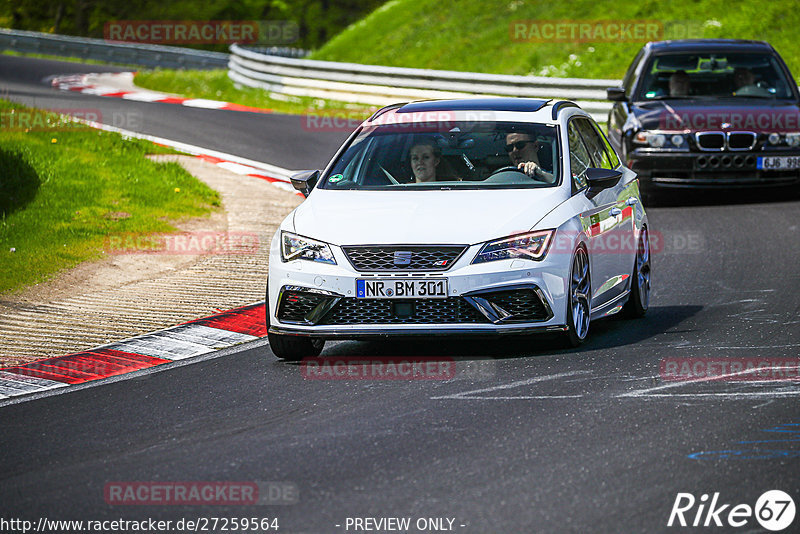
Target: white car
{"type": "Point", "coordinates": [460, 217]}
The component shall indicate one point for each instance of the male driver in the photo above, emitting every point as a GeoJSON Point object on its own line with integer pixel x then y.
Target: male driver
{"type": "Point", "coordinates": [523, 150]}
{"type": "Point", "coordinates": [744, 82]}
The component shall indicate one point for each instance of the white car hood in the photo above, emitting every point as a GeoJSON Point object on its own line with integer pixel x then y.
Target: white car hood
{"type": "Point", "coordinates": [435, 217]}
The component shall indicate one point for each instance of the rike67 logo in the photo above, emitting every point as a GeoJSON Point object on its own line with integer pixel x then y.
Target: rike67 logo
{"type": "Point", "coordinates": [774, 510]}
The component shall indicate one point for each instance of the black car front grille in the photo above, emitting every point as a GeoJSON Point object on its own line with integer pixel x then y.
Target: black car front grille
{"type": "Point", "coordinates": [524, 305]}
{"type": "Point", "coordinates": [710, 140]}
{"type": "Point", "coordinates": [400, 258]}
{"type": "Point", "coordinates": [719, 141]}
{"type": "Point", "coordinates": [449, 310]}
{"type": "Point", "coordinates": [741, 140]}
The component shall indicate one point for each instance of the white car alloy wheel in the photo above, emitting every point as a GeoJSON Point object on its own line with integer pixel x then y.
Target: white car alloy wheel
{"type": "Point", "coordinates": [580, 293]}
{"type": "Point", "coordinates": [639, 300]}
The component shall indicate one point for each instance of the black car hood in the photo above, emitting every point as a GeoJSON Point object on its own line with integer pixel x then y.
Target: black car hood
{"type": "Point", "coordinates": [719, 114]}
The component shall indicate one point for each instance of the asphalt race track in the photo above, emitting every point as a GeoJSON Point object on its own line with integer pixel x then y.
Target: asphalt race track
{"type": "Point", "coordinates": [282, 140]}
{"type": "Point", "coordinates": [525, 437]}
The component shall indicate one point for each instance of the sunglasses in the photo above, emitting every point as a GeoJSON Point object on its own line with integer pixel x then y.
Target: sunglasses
{"type": "Point", "coordinates": [519, 145]}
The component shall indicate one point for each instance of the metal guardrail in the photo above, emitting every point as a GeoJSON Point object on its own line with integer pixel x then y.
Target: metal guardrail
{"type": "Point", "coordinates": [379, 85]}
{"type": "Point", "coordinates": [146, 55]}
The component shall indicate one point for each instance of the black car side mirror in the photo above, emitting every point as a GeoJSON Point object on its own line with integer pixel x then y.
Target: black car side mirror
{"type": "Point", "coordinates": [617, 94]}
{"type": "Point", "coordinates": [600, 179]}
{"type": "Point", "coordinates": [305, 181]}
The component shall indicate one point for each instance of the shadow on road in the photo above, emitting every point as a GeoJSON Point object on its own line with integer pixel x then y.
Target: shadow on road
{"type": "Point", "coordinates": [604, 334]}
{"type": "Point", "coordinates": [721, 197]}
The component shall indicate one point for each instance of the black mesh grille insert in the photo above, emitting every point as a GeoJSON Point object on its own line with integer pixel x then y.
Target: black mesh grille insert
{"type": "Point", "coordinates": [711, 141]}
{"type": "Point", "coordinates": [741, 140]}
{"type": "Point", "coordinates": [295, 305]}
{"type": "Point", "coordinates": [523, 304]}
{"type": "Point", "coordinates": [425, 311]}
{"type": "Point", "coordinates": [400, 258]}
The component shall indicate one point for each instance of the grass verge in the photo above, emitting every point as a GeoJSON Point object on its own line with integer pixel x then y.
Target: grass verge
{"type": "Point", "coordinates": [64, 188]}
{"type": "Point", "coordinates": [478, 35]}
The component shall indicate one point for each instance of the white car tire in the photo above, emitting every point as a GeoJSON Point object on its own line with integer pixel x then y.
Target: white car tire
{"type": "Point", "coordinates": [579, 299]}
{"type": "Point", "coordinates": [639, 300]}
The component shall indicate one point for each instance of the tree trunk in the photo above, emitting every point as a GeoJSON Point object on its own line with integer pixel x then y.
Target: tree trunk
{"type": "Point", "coordinates": [59, 15]}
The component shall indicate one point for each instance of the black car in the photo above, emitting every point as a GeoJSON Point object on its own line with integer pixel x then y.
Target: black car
{"type": "Point", "coordinates": [707, 113]}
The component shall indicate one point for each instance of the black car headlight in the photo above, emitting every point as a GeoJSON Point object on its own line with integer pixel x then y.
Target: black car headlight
{"type": "Point", "coordinates": [791, 139]}
{"type": "Point", "coordinates": [295, 247]}
{"type": "Point", "coordinates": [660, 140]}
{"type": "Point", "coordinates": [531, 246]}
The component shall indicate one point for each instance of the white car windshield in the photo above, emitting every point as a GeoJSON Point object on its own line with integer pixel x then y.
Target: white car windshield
{"type": "Point", "coordinates": [448, 155]}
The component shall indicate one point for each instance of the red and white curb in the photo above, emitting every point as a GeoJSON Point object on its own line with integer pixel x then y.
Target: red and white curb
{"type": "Point", "coordinates": [187, 340]}
{"type": "Point", "coordinates": [195, 338]}
{"type": "Point", "coordinates": [249, 170]}
{"type": "Point", "coordinates": [120, 85]}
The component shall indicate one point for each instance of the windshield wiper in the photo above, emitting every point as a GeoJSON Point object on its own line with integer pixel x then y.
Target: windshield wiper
{"type": "Point", "coordinates": [770, 97]}
{"type": "Point", "coordinates": [668, 97]}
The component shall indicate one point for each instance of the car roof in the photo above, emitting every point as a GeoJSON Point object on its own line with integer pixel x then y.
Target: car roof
{"type": "Point", "coordinates": [525, 109]}
{"type": "Point", "coordinates": [703, 45]}
{"type": "Point", "coordinates": [475, 104]}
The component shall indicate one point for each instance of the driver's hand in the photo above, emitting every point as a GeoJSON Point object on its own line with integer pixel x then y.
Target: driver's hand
{"type": "Point", "coordinates": [529, 168]}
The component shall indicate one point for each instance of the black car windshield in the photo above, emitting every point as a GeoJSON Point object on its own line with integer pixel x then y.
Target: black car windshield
{"type": "Point", "coordinates": [704, 75]}
{"type": "Point", "coordinates": [448, 155]}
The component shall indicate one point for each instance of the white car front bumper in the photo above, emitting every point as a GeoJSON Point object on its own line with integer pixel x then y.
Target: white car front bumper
{"type": "Point", "coordinates": [322, 298]}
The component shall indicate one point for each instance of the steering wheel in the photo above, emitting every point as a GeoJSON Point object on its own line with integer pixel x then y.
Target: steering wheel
{"type": "Point", "coordinates": [504, 169]}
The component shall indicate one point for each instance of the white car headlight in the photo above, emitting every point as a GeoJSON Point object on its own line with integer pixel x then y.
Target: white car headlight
{"type": "Point", "coordinates": [295, 247]}
{"type": "Point", "coordinates": [532, 246]}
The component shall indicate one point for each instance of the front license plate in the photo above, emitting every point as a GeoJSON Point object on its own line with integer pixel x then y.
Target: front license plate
{"type": "Point", "coordinates": [401, 288]}
{"type": "Point", "coordinates": [778, 163]}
